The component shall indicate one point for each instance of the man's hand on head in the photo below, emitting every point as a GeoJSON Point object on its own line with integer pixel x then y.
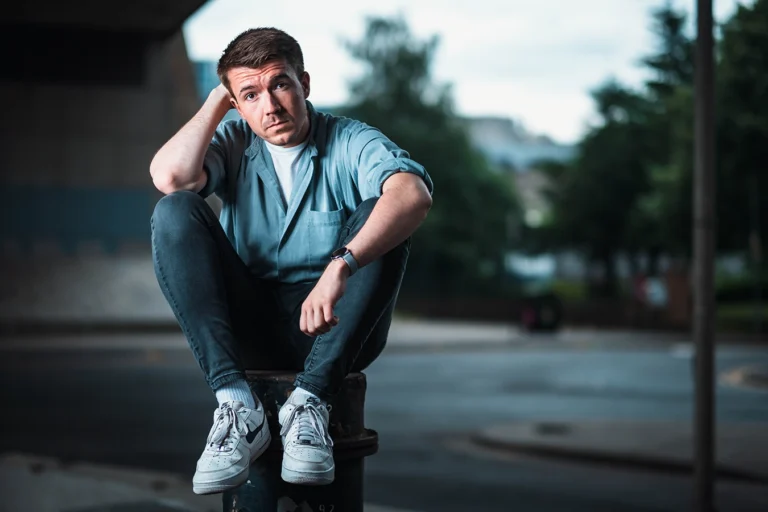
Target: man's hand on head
{"type": "Point", "coordinates": [317, 311]}
{"type": "Point", "coordinates": [221, 94]}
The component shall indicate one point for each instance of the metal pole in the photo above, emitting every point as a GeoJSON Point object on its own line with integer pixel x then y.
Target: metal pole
{"type": "Point", "coordinates": [755, 251]}
{"type": "Point", "coordinates": [703, 267]}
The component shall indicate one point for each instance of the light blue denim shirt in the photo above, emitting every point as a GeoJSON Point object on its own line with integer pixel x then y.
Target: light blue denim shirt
{"type": "Point", "coordinates": [344, 163]}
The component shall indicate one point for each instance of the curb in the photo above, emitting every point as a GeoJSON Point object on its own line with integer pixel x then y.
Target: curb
{"type": "Point", "coordinates": [757, 379]}
{"type": "Point", "coordinates": [749, 377]}
{"type": "Point", "coordinates": [593, 455]}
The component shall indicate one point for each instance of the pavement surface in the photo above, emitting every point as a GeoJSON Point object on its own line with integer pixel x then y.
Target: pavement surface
{"type": "Point", "coordinates": [741, 449]}
{"type": "Point", "coordinates": [44, 484]}
{"type": "Point", "coordinates": [451, 419]}
{"type": "Point", "coordinates": [54, 293]}
{"type": "Point", "coordinates": [470, 415]}
{"type": "Point", "coordinates": [421, 335]}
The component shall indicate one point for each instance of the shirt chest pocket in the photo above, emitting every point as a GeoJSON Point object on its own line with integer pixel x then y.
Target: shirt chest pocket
{"type": "Point", "coordinates": [323, 239]}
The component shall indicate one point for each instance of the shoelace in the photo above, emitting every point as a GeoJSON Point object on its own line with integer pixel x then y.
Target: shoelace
{"type": "Point", "coordinates": [310, 425]}
{"type": "Point", "coordinates": [226, 420]}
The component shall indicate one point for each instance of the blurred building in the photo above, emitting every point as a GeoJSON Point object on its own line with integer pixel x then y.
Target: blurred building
{"type": "Point", "coordinates": [206, 78]}
{"type": "Point", "coordinates": [509, 144]}
{"type": "Point", "coordinates": [89, 92]}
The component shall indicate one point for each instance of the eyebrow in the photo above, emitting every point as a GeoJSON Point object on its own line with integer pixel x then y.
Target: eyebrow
{"type": "Point", "coordinates": [251, 87]}
{"type": "Point", "coordinates": [281, 76]}
{"type": "Point", "coordinates": [247, 88]}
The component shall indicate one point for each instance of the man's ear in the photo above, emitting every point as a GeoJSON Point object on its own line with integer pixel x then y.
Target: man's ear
{"type": "Point", "coordinates": [305, 84]}
{"type": "Point", "coordinates": [235, 105]}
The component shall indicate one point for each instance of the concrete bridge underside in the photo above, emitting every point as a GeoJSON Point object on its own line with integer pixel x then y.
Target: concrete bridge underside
{"type": "Point", "coordinates": [89, 90]}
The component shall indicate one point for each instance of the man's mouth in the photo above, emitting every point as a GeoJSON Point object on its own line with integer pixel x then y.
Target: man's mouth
{"type": "Point", "coordinates": [279, 123]}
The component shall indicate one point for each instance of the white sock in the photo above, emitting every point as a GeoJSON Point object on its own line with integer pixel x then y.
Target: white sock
{"type": "Point", "coordinates": [302, 395]}
{"type": "Point", "coordinates": [236, 391]}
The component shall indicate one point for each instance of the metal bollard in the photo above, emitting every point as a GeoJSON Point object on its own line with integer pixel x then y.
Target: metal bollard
{"type": "Point", "coordinates": [265, 491]}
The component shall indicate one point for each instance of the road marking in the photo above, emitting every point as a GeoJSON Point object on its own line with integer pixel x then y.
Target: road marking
{"type": "Point", "coordinates": [746, 377]}
{"type": "Point", "coordinates": [682, 351]}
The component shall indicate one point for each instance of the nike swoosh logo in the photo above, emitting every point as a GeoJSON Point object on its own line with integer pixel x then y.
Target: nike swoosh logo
{"type": "Point", "coordinates": [252, 433]}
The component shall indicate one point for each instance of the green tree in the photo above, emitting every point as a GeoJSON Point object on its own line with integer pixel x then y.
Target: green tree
{"type": "Point", "coordinates": [628, 190]}
{"type": "Point", "coordinates": [460, 247]}
{"type": "Point", "coordinates": [594, 198]}
{"type": "Point", "coordinates": [663, 214]}
{"type": "Point", "coordinates": [672, 63]}
{"type": "Point", "coordinates": [742, 126]}
{"type": "Point", "coordinates": [742, 90]}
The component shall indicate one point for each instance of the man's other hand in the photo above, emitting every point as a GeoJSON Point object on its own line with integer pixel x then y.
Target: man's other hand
{"type": "Point", "coordinates": [317, 311]}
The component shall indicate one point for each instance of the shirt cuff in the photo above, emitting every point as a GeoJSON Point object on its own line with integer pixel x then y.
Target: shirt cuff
{"type": "Point", "coordinates": [383, 170]}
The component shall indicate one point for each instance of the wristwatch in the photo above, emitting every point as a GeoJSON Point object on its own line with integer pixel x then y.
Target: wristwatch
{"type": "Point", "coordinates": [344, 254]}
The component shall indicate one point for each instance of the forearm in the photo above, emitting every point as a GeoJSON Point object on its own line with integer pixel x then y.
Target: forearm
{"type": "Point", "coordinates": [178, 165]}
{"type": "Point", "coordinates": [402, 207]}
{"type": "Point", "coordinates": [400, 210]}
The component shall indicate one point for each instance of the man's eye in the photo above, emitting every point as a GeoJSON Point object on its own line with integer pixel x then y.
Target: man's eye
{"type": "Point", "coordinates": [281, 85]}
{"type": "Point", "coordinates": [250, 96]}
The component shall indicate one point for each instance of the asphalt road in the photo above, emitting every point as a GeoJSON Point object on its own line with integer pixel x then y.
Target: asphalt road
{"type": "Point", "coordinates": [149, 408]}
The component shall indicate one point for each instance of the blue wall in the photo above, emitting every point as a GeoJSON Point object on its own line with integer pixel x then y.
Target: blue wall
{"type": "Point", "coordinates": [205, 77]}
{"type": "Point", "coordinates": [73, 215]}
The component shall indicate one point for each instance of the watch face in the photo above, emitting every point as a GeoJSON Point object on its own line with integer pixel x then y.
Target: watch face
{"type": "Point", "coordinates": [338, 253]}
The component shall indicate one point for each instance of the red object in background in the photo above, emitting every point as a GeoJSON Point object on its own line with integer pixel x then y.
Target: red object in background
{"type": "Point", "coordinates": [639, 288]}
{"type": "Point", "coordinates": [528, 317]}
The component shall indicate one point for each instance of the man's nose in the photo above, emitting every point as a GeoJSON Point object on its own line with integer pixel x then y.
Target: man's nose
{"type": "Point", "coordinates": [273, 106]}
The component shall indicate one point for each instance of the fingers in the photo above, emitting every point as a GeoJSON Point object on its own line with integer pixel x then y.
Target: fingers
{"type": "Point", "coordinates": [330, 319]}
{"type": "Point", "coordinates": [321, 326]}
{"type": "Point", "coordinates": [303, 320]}
{"type": "Point", "coordinates": [317, 319]}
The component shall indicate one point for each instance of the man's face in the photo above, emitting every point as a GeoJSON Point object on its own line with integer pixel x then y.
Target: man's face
{"type": "Point", "coordinates": [271, 99]}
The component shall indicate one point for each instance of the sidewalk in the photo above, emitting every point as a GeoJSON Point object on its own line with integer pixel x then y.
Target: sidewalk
{"type": "Point", "coordinates": [404, 335]}
{"type": "Point", "coordinates": [106, 294]}
{"type": "Point", "coordinates": [45, 485]}
{"type": "Point", "coordinates": [101, 293]}
{"type": "Point", "coordinates": [742, 448]}
{"type": "Point", "coordinates": [75, 290]}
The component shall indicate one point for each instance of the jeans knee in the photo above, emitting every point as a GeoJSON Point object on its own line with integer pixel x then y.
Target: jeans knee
{"type": "Point", "coordinates": [365, 208]}
{"type": "Point", "coordinates": [173, 209]}
{"type": "Point", "coordinates": [176, 216]}
{"type": "Point", "coordinates": [357, 219]}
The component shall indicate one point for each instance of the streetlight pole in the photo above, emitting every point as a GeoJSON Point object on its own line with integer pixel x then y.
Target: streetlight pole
{"type": "Point", "coordinates": [703, 250]}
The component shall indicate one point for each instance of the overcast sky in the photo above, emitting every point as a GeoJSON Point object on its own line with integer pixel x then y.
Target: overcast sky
{"type": "Point", "coordinates": [534, 61]}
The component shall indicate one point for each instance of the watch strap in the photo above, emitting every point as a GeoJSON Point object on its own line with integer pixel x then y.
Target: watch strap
{"type": "Point", "coordinates": [351, 261]}
{"type": "Point", "coordinates": [345, 254]}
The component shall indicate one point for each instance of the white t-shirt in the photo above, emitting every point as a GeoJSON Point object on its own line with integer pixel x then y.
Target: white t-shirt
{"type": "Point", "coordinates": [286, 162]}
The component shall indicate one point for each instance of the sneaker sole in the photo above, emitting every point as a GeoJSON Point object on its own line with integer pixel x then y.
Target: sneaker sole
{"type": "Point", "coordinates": [239, 479]}
{"type": "Point", "coordinates": [293, 476]}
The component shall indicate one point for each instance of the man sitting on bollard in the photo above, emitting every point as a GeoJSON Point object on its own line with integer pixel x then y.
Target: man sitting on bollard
{"type": "Point", "coordinates": [301, 270]}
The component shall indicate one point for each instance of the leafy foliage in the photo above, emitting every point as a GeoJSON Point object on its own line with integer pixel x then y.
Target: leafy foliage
{"type": "Point", "coordinates": [630, 188]}
{"type": "Point", "coordinates": [460, 247]}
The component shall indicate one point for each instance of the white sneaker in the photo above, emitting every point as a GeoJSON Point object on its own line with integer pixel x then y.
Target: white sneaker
{"type": "Point", "coordinates": [238, 437]}
{"type": "Point", "coordinates": [307, 446]}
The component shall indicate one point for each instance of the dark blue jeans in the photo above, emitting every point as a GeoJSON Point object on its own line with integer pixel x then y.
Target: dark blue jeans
{"type": "Point", "coordinates": [234, 321]}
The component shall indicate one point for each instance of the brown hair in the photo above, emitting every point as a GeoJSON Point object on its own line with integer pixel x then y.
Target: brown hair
{"type": "Point", "coordinates": [254, 47]}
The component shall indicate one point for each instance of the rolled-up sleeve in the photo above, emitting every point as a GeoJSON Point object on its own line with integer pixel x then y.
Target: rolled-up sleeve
{"type": "Point", "coordinates": [374, 158]}
{"type": "Point", "coordinates": [227, 141]}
